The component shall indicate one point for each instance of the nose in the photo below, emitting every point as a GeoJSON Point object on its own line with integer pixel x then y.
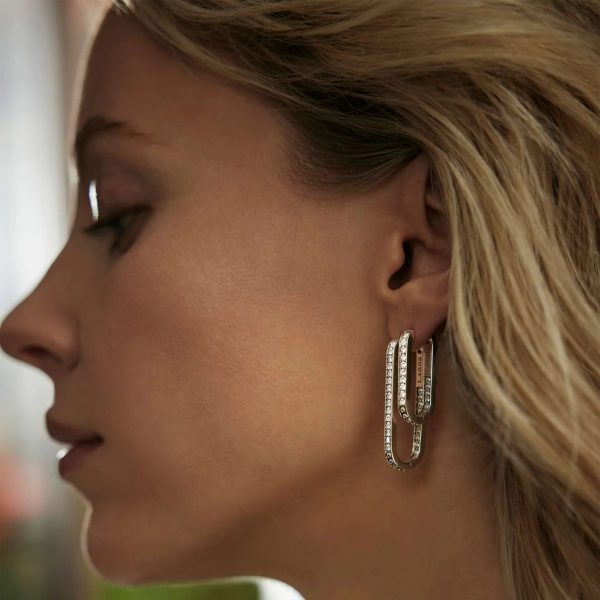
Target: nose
{"type": "Point", "coordinates": [39, 332]}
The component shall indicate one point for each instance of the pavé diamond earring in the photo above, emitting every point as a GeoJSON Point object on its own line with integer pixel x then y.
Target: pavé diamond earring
{"type": "Point", "coordinates": [409, 375]}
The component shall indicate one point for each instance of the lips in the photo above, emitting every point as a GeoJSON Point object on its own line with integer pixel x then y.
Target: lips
{"type": "Point", "coordinates": [68, 460]}
{"type": "Point", "coordinates": [70, 434]}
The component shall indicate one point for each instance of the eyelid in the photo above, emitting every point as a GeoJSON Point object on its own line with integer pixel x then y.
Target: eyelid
{"type": "Point", "coordinates": [116, 216]}
{"type": "Point", "coordinates": [120, 222]}
{"type": "Point", "coordinates": [103, 218]}
{"type": "Point", "coordinates": [124, 235]}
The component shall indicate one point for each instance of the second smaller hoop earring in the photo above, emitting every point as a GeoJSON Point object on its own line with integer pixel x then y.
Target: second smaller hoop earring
{"type": "Point", "coordinates": [408, 375]}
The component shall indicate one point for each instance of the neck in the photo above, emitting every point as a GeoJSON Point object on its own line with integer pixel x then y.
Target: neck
{"type": "Point", "coordinates": [364, 530]}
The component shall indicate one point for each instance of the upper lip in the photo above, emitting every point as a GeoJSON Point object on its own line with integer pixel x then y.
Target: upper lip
{"type": "Point", "coordinates": [69, 434]}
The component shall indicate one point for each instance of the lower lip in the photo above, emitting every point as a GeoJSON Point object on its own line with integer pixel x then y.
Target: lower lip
{"type": "Point", "coordinates": [74, 456]}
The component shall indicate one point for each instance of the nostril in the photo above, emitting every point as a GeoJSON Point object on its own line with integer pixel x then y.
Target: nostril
{"type": "Point", "coordinates": [38, 357]}
{"type": "Point", "coordinates": [31, 338]}
{"type": "Point", "coordinates": [36, 351]}
{"type": "Point", "coordinates": [34, 354]}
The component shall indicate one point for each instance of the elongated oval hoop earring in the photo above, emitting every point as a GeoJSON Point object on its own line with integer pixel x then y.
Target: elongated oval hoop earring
{"type": "Point", "coordinates": [408, 375]}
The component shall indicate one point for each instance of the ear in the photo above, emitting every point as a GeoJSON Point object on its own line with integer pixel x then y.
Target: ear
{"type": "Point", "coordinates": [413, 272]}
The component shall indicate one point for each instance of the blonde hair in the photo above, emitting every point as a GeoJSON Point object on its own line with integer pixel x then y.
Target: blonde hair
{"type": "Point", "coordinates": [502, 96]}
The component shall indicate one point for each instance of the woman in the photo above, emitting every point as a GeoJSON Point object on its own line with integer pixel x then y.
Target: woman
{"type": "Point", "coordinates": [290, 211]}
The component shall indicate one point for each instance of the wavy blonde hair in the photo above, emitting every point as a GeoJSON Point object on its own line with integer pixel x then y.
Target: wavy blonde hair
{"type": "Point", "coordinates": [502, 96]}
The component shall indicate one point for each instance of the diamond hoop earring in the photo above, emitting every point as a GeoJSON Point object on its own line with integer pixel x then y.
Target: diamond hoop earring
{"type": "Point", "coordinates": [408, 376]}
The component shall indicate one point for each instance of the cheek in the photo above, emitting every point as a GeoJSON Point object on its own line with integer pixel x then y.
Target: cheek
{"type": "Point", "coordinates": [224, 391]}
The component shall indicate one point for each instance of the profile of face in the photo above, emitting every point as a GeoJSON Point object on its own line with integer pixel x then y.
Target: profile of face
{"type": "Point", "coordinates": [227, 337]}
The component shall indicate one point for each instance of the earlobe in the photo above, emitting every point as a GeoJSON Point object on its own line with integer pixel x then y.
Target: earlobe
{"type": "Point", "coordinates": [417, 292]}
{"type": "Point", "coordinates": [421, 305]}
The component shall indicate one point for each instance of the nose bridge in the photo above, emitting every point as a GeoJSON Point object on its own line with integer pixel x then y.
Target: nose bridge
{"type": "Point", "coordinates": [42, 328]}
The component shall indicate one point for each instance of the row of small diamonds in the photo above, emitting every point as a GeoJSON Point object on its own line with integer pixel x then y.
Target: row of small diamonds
{"type": "Point", "coordinates": [423, 406]}
{"type": "Point", "coordinates": [427, 394]}
{"type": "Point", "coordinates": [424, 394]}
{"type": "Point", "coordinates": [389, 381]}
{"type": "Point", "coordinates": [420, 401]}
{"type": "Point", "coordinates": [388, 436]}
{"type": "Point", "coordinates": [417, 438]}
{"type": "Point", "coordinates": [403, 370]}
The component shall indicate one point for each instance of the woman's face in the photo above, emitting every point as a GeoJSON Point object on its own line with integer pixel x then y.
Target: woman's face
{"type": "Point", "coordinates": [230, 349]}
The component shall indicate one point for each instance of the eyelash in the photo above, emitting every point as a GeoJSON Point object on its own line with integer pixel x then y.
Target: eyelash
{"type": "Point", "coordinates": [114, 222]}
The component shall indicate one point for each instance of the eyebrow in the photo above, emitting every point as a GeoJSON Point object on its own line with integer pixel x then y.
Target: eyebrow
{"type": "Point", "coordinates": [100, 125]}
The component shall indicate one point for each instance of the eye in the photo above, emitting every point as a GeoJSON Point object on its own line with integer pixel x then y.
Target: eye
{"type": "Point", "coordinates": [119, 223]}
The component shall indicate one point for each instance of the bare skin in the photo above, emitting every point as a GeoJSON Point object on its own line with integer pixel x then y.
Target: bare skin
{"type": "Point", "coordinates": [232, 357]}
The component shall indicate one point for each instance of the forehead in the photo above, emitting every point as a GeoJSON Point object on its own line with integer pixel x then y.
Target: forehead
{"type": "Point", "coordinates": [130, 78]}
{"type": "Point", "coordinates": [125, 71]}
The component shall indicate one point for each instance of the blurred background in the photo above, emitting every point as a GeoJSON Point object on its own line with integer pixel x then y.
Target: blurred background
{"type": "Point", "coordinates": [43, 46]}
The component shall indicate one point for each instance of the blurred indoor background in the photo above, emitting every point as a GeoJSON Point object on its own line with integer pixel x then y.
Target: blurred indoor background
{"type": "Point", "coordinates": [42, 44]}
